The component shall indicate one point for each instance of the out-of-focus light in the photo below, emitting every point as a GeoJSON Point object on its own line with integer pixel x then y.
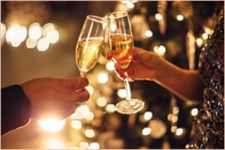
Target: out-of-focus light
{"type": "Point", "coordinates": [122, 93]}
{"type": "Point", "coordinates": [129, 1]}
{"type": "Point", "coordinates": [52, 125]}
{"type": "Point", "coordinates": [3, 30]}
{"type": "Point", "coordinates": [47, 27]}
{"type": "Point", "coordinates": [199, 42]}
{"type": "Point", "coordinates": [90, 116]}
{"type": "Point", "coordinates": [180, 18]}
{"type": "Point", "coordinates": [94, 145]}
{"type": "Point", "coordinates": [205, 36]}
{"type": "Point", "coordinates": [161, 50]}
{"type": "Point", "coordinates": [76, 124]}
{"type": "Point", "coordinates": [102, 77]}
{"type": "Point", "coordinates": [84, 145]}
{"type": "Point", "coordinates": [169, 117]}
{"type": "Point", "coordinates": [148, 115]}
{"type": "Point", "coordinates": [90, 89]}
{"type": "Point", "coordinates": [174, 119]}
{"type": "Point", "coordinates": [35, 31]}
{"type": "Point", "coordinates": [30, 43]}
{"type": "Point", "coordinates": [90, 133]}
{"type": "Point", "coordinates": [130, 5]}
{"type": "Point", "coordinates": [158, 17]}
{"type": "Point", "coordinates": [16, 34]}
{"type": "Point", "coordinates": [113, 27]}
{"type": "Point", "coordinates": [42, 44]}
{"type": "Point", "coordinates": [101, 101]}
{"type": "Point", "coordinates": [175, 110]}
{"type": "Point", "coordinates": [179, 131]}
{"type": "Point", "coordinates": [110, 108]}
{"type": "Point", "coordinates": [146, 131]}
{"type": "Point", "coordinates": [52, 36]}
{"type": "Point", "coordinates": [110, 65]}
{"type": "Point", "coordinates": [81, 112]}
{"type": "Point", "coordinates": [173, 129]}
{"type": "Point", "coordinates": [148, 33]}
{"type": "Point", "coordinates": [208, 30]}
{"type": "Point", "coordinates": [54, 143]}
{"type": "Point", "coordinates": [194, 112]}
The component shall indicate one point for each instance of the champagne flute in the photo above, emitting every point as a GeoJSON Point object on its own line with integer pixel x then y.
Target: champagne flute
{"type": "Point", "coordinates": [121, 44]}
{"type": "Point", "coordinates": [89, 45]}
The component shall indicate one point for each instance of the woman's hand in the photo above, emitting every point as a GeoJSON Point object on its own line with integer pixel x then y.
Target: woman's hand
{"type": "Point", "coordinates": [51, 97]}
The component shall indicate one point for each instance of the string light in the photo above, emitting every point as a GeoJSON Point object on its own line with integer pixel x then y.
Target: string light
{"type": "Point", "coordinates": [179, 131]}
{"type": "Point", "coordinates": [52, 125]}
{"type": "Point", "coordinates": [180, 18]}
{"type": "Point", "coordinates": [110, 65]}
{"type": "Point", "coordinates": [102, 77]}
{"type": "Point", "coordinates": [194, 112]}
{"type": "Point", "coordinates": [199, 42]}
{"type": "Point", "coordinates": [89, 133]}
{"type": "Point", "coordinates": [158, 17]}
{"type": "Point", "coordinates": [122, 93]}
{"type": "Point", "coordinates": [146, 131]}
{"type": "Point", "coordinates": [42, 44]}
{"type": "Point", "coordinates": [148, 33]}
{"type": "Point", "coordinates": [94, 145]}
{"type": "Point", "coordinates": [35, 31]}
{"type": "Point", "coordinates": [110, 108]}
{"type": "Point", "coordinates": [76, 124]}
{"type": "Point", "coordinates": [101, 101]}
{"type": "Point", "coordinates": [147, 115]}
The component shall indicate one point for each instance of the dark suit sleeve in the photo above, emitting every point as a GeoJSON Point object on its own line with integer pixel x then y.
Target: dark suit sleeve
{"type": "Point", "coordinates": [15, 108]}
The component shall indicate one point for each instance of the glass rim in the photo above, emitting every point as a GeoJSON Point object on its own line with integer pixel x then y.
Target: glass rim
{"type": "Point", "coordinates": [96, 18]}
{"type": "Point", "coordinates": [122, 14]}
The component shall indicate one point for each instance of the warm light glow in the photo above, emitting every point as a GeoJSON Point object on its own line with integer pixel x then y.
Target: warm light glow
{"type": "Point", "coordinates": [169, 117]}
{"type": "Point", "coordinates": [110, 65]}
{"type": "Point", "coordinates": [158, 17]}
{"type": "Point", "coordinates": [16, 34]}
{"type": "Point", "coordinates": [148, 33]}
{"type": "Point", "coordinates": [194, 112]}
{"type": "Point", "coordinates": [81, 112]}
{"type": "Point", "coordinates": [101, 101]}
{"type": "Point", "coordinates": [90, 89]}
{"type": "Point", "coordinates": [205, 36]}
{"type": "Point", "coordinates": [130, 5]}
{"type": "Point", "coordinates": [54, 143]}
{"type": "Point", "coordinates": [110, 108]}
{"type": "Point", "coordinates": [35, 31]}
{"type": "Point", "coordinates": [94, 145]}
{"type": "Point", "coordinates": [146, 131]}
{"type": "Point", "coordinates": [102, 77]}
{"type": "Point", "coordinates": [175, 110]}
{"type": "Point", "coordinates": [161, 50]}
{"type": "Point", "coordinates": [90, 116]}
{"type": "Point", "coordinates": [52, 36]}
{"type": "Point", "coordinates": [122, 93]}
{"type": "Point", "coordinates": [199, 42]}
{"type": "Point", "coordinates": [113, 27]}
{"type": "Point", "coordinates": [148, 115]}
{"type": "Point", "coordinates": [42, 44]}
{"type": "Point", "coordinates": [15, 43]}
{"type": "Point", "coordinates": [180, 18]}
{"type": "Point", "coordinates": [208, 30]}
{"type": "Point", "coordinates": [52, 125]}
{"type": "Point", "coordinates": [174, 119]}
{"type": "Point", "coordinates": [76, 124]}
{"type": "Point", "coordinates": [48, 27]}
{"type": "Point", "coordinates": [89, 133]}
{"type": "Point", "coordinates": [3, 31]}
{"type": "Point", "coordinates": [84, 145]}
{"type": "Point", "coordinates": [30, 43]}
{"type": "Point", "coordinates": [179, 131]}
{"type": "Point", "coordinates": [173, 129]}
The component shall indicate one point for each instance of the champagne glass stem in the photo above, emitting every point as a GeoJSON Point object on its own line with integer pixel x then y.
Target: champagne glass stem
{"type": "Point", "coordinates": [127, 88]}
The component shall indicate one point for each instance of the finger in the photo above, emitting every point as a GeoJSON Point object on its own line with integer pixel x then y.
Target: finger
{"type": "Point", "coordinates": [77, 82]}
{"type": "Point", "coordinates": [80, 95]}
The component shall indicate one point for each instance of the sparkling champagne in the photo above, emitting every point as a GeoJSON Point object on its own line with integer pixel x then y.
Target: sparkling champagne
{"type": "Point", "coordinates": [121, 45]}
{"type": "Point", "coordinates": [87, 53]}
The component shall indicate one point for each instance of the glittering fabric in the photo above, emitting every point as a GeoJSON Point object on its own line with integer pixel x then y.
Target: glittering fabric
{"type": "Point", "coordinates": [208, 128]}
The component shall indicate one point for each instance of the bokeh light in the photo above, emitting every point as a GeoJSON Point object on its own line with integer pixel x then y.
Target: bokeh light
{"type": "Point", "coordinates": [31, 43]}
{"type": "Point", "coordinates": [89, 133]}
{"type": "Point", "coordinates": [110, 65]}
{"type": "Point", "coordinates": [194, 112]}
{"type": "Point", "coordinates": [94, 145]}
{"type": "Point", "coordinates": [110, 108]}
{"type": "Point", "coordinates": [148, 33]}
{"type": "Point", "coordinates": [101, 101]}
{"type": "Point", "coordinates": [180, 18]}
{"type": "Point", "coordinates": [146, 131]}
{"type": "Point", "coordinates": [35, 31]}
{"type": "Point", "coordinates": [90, 89]}
{"type": "Point", "coordinates": [52, 125]}
{"type": "Point", "coordinates": [42, 44]}
{"type": "Point", "coordinates": [148, 115]}
{"type": "Point", "coordinates": [179, 131]}
{"type": "Point", "coordinates": [102, 77]}
{"type": "Point", "coordinates": [76, 124]}
{"type": "Point", "coordinates": [122, 93]}
{"type": "Point", "coordinates": [158, 17]}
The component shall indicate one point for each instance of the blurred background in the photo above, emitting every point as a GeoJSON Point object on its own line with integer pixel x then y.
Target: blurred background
{"type": "Point", "coordinates": [38, 39]}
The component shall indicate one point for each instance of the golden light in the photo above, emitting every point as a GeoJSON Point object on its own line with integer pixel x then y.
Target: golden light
{"type": "Point", "coordinates": [76, 124]}
{"type": "Point", "coordinates": [3, 31]}
{"type": "Point", "coordinates": [16, 34]}
{"type": "Point", "coordinates": [175, 110]}
{"type": "Point", "coordinates": [15, 43]}
{"type": "Point", "coordinates": [199, 42]}
{"type": "Point", "coordinates": [110, 108]}
{"type": "Point", "coordinates": [89, 133]}
{"type": "Point", "coordinates": [130, 5]}
{"type": "Point", "coordinates": [180, 18]}
{"type": "Point", "coordinates": [35, 31]}
{"type": "Point", "coordinates": [205, 36]}
{"type": "Point", "coordinates": [84, 145]}
{"type": "Point", "coordinates": [81, 112]}
{"type": "Point", "coordinates": [101, 101]}
{"type": "Point", "coordinates": [94, 145]}
{"type": "Point", "coordinates": [47, 27]}
{"type": "Point", "coordinates": [90, 116]}
{"type": "Point", "coordinates": [102, 77]}
{"type": "Point", "coordinates": [42, 44]}
{"type": "Point", "coordinates": [110, 65]}
{"type": "Point", "coordinates": [113, 27]}
{"type": "Point", "coordinates": [90, 89]}
{"type": "Point", "coordinates": [194, 112]}
{"type": "Point", "coordinates": [30, 43]}
{"type": "Point", "coordinates": [146, 131]}
{"type": "Point", "coordinates": [179, 131]}
{"type": "Point", "coordinates": [158, 17]}
{"type": "Point", "coordinates": [147, 115]}
{"type": "Point", "coordinates": [148, 33]}
{"type": "Point", "coordinates": [122, 93]}
{"type": "Point", "coordinates": [174, 119]}
{"type": "Point", "coordinates": [169, 117]}
{"type": "Point", "coordinates": [208, 30]}
{"type": "Point", "coordinates": [161, 50]}
{"type": "Point", "coordinates": [173, 129]}
{"type": "Point", "coordinates": [54, 143]}
{"type": "Point", "coordinates": [52, 125]}
{"type": "Point", "coordinates": [52, 36]}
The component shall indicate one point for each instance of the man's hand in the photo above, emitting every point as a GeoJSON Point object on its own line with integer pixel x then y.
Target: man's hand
{"type": "Point", "coordinates": [51, 97]}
